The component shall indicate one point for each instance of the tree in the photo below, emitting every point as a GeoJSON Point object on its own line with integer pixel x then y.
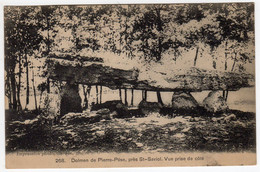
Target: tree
{"type": "Point", "coordinates": [149, 29]}
{"type": "Point", "coordinates": [200, 29]}
{"type": "Point", "coordinates": [48, 17]}
{"type": "Point", "coordinates": [236, 22]}
{"type": "Point", "coordinates": [21, 40]}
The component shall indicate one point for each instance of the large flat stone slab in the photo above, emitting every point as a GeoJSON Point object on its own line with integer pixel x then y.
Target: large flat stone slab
{"type": "Point", "coordinates": [193, 79]}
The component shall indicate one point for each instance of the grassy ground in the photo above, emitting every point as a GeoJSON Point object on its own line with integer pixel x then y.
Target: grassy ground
{"type": "Point", "coordinates": [233, 131]}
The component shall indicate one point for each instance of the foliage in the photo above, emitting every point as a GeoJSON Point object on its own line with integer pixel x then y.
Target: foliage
{"type": "Point", "coordinates": [22, 39]}
{"type": "Point", "coordinates": [150, 33]}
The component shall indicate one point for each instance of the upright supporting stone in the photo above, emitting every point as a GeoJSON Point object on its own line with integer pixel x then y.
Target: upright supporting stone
{"type": "Point", "coordinates": [215, 102]}
{"type": "Point", "coordinates": [149, 107]}
{"type": "Point", "coordinates": [183, 101]}
{"type": "Point", "coordinates": [70, 99]}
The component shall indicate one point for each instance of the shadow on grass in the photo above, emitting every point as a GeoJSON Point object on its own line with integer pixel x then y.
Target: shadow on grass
{"type": "Point", "coordinates": [195, 131]}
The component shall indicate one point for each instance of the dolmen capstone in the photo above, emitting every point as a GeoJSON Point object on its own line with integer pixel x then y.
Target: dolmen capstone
{"type": "Point", "coordinates": [192, 80]}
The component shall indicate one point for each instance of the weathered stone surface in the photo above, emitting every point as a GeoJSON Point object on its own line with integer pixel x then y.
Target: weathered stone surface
{"type": "Point", "coordinates": [72, 117]}
{"type": "Point", "coordinates": [214, 102]}
{"type": "Point", "coordinates": [122, 111]}
{"type": "Point", "coordinates": [183, 101]}
{"type": "Point", "coordinates": [70, 99]}
{"type": "Point", "coordinates": [94, 74]}
{"type": "Point", "coordinates": [103, 111]}
{"type": "Point", "coordinates": [149, 107]}
{"type": "Point", "coordinates": [229, 118]}
{"type": "Point", "coordinates": [77, 118]}
{"type": "Point", "coordinates": [113, 106]}
{"type": "Point", "coordinates": [193, 79]}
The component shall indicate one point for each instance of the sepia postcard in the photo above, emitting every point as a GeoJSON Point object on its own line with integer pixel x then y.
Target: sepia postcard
{"type": "Point", "coordinates": [138, 85]}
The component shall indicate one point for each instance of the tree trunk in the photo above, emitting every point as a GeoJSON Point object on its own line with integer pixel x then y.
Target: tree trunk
{"type": "Point", "coordinates": [196, 56]}
{"type": "Point", "coordinates": [224, 92]}
{"type": "Point", "coordinates": [13, 85]}
{"type": "Point", "coordinates": [8, 91]}
{"type": "Point", "coordinates": [19, 85]}
{"type": "Point", "coordinates": [159, 97]}
{"type": "Point", "coordinates": [214, 64]}
{"type": "Point", "coordinates": [226, 56]}
{"type": "Point", "coordinates": [88, 90]}
{"type": "Point", "coordinates": [96, 94]}
{"type": "Point", "coordinates": [160, 49]}
{"type": "Point", "coordinates": [226, 97]}
{"type": "Point", "coordinates": [234, 63]}
{"type": "Point", "coordinates": [232, 69]}
{"type": "Point", "coordinates": [159, 28]}
{"type": "Point", "coordinates": [120, 94]}
{"type": "Point", "coordinates": [126, 97]}
{"type": "Point", "coordinates": [34, 91]}
{"type": "Point", "coordinates": [100, 98]}
{"type": "Point", "coordinates": [126, 36]}
{"type": "Point", "coordinates": [48, 49]}
{"type": "Point", "coordinates": [27, 82]}
{"type": "Point", "coordinates": [84, 91]}
{"type": "Point", "coordinates": [132, 98]}
{"type": "Point", "coordinates": [40, 100]}
{"type": "Point", "coordinates": [48, 85]}
{"type": "Point", "coordinates": [144, 95]}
